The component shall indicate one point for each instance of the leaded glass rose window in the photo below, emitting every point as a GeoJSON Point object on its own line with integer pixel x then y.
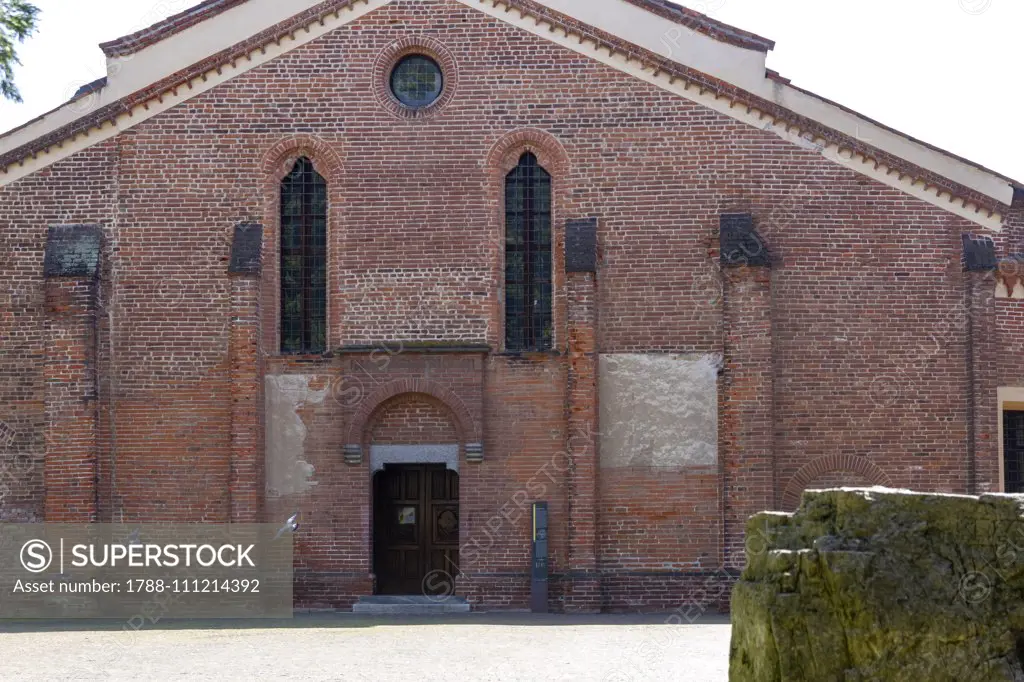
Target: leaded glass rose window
{"type": "Point", "coordinates": [417, 81]}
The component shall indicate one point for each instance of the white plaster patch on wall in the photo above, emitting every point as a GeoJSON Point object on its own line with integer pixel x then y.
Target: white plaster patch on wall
{"type": "Point", "coordinates": [288, 473]}
{"type": "Point", "coordinates": [659, 410]}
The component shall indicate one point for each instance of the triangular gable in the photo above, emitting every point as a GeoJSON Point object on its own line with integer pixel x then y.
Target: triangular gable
{"type": "Point", "coordinates": [656, 41]}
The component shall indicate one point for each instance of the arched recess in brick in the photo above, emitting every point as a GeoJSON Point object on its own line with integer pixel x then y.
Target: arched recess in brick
{"type": "Point", "coordinates": [466, 427]}
{"type": "Point", "coordinates": [847, 469]}
{"type": "Point", "coordinates": [412, 419]}
{"type": "Point", "coordinates": [276, 163]}
{"type": "Point", "coordinates": [502, 158]}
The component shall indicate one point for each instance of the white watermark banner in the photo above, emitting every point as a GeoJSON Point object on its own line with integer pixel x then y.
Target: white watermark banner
{"type": "Point", "coordinates": [59, 571]}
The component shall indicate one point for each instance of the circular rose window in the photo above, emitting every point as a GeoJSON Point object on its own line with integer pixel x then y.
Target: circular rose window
{"type": "Point", "coordinates": [417, 81]}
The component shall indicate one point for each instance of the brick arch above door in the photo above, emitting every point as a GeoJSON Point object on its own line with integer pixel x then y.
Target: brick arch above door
{"type": "Point", "coordinates": [467, 428]}
{"type": "Point", "coordinates": [412, 428]}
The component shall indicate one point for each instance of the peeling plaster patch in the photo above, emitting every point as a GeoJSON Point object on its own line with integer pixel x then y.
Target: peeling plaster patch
{"type": "Point", "coordinates": [659, 410]}
{"type": "Point", "coordinates": [286, 395]}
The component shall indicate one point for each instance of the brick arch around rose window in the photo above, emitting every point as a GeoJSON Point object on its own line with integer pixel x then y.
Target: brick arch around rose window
{"type": "Point", "coordinates": [502, 158]}
{"type": "Point", "coordinates": [467, 428]}
{"type": "Point", "coordinates": [830, 465]}
{"type": "Point", "coordinates": [276, 163]}
{"type": "Point", "coordinates": [405, 46]}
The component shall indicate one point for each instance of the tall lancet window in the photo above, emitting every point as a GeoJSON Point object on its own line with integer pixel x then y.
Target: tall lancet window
{"type": "Point", "coordinates": [303, 260]}
{"type": "Point", "coordinates": [528, 308]}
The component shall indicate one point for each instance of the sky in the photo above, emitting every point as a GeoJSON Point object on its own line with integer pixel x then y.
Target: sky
{"type": "Point", "coordinates": [939, 70]}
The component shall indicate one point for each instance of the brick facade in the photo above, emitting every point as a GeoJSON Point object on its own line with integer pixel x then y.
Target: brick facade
{"type": "Point", "coordinates": [863, 354]}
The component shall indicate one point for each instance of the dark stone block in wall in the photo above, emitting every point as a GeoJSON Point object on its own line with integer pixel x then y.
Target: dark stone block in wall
{"type": "Point", "coordinates": [979, 253]}
{"type": "Point", "coordinates": [247, 249]}
{"type": "Point", "coordinates": [72, 251]}
{"type": "Point", "coordinates": [581, 245]}
{"type": "Point", "coordinates": [740, 243]}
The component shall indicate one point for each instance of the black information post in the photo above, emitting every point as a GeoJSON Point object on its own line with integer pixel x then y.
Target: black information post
{"type": "Point", "coordinates": [539, 568]}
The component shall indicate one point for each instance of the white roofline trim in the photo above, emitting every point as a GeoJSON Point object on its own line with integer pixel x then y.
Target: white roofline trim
{"type": "Point", "coordinates": [182, 93]}
{"type": "Point", "coordinates": [134, 72]}
{"type": "Point", "coordinates": [740, 111]}
{"type": "Point", "coordinates": [746, 70]}
{"type": "Point", "coordinates": [957, 171]}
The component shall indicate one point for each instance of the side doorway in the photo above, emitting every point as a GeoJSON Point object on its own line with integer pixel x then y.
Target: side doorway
{"type": "Point", "coordinates": [416, 529]}
{"type": "Point", "coordinates": [1013, 452]}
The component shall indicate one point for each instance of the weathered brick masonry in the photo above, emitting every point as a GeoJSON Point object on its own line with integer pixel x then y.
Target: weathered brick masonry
{"type": "Point", "coordinates": [859, 351]}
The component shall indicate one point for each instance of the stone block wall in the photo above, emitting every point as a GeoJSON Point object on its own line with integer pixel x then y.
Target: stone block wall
{"type": "Point", "coordinates": [881, 585]}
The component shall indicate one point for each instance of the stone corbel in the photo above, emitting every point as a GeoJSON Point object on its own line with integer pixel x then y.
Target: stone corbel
{"type": "Point", "coordinates": [979, 253]}
{"type": "Point", "coordinates": [246, 250]}
{"type": "Point", "coordinates": [581, 245]}
{"type": "Point", "coordinates": [740, 244]}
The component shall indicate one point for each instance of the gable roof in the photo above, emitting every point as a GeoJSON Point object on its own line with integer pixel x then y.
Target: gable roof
{"type": "Point", "coordinates": [705, 64]}
{"type": "Point", "coordinates": [705, 24]}
{"type": "Point", "coordinates": [689, 18]}
{"type": "Point", "coordinates": [133, 42]}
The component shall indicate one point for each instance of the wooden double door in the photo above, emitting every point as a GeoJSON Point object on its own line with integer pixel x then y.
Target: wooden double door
{"type": "Point", "coordinates": [416, 529]}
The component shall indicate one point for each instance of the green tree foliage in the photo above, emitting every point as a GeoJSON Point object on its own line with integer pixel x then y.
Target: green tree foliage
{"type": "Point", "coordinates": [17, 22]}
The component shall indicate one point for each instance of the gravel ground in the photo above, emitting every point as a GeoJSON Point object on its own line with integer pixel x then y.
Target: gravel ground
{"type": "Point", "coordinates": [505, 647]}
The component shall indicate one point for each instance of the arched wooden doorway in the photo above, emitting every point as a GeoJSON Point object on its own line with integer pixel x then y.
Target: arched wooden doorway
{"type": "Point", "coordinates": [416, 529]}
{"type": "Point", "coordinates": [414, 446]}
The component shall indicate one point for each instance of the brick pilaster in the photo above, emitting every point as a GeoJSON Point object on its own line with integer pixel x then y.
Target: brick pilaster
{"type": "Point", "coordinates": [582, 592]}
{"type": "Point", "coordinates": [247, 455]}
{"type": "Point", "coordinates": [71, 400]}
{"type": "Point", "coordinates": [982, 370]}
{"type": "Point", "coordinates": [747, 403]}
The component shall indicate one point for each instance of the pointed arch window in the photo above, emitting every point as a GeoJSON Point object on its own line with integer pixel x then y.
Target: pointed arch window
{"type": "Point", "coordinates": [529, 324]}
{"type": "Point", "coordinates": [303, 260]}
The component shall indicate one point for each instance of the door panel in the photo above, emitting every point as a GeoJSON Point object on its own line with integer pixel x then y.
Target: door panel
{"type": "Point", "coordinates": [398, 536]}
{"type": "Point", "coordinates": [416, 529]}
{"type": "Point", "coordinates": [443, 549]}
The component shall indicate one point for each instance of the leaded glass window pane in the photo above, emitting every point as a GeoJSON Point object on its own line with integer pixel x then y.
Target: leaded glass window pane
{"type": "Point", "coordinates": [303, 260]}
{"type": "Point", "coordinates": [528, 273]}
{"type": "Point", "coordinates": [417, 81]}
